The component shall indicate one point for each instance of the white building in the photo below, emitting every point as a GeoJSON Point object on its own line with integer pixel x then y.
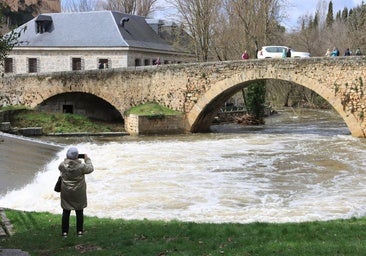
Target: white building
{"type": "Point", "coordinates": [88, 40]}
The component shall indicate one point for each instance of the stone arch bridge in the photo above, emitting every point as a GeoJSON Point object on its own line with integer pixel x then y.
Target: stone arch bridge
{"type": "Point", "coordinates": [200, 89]}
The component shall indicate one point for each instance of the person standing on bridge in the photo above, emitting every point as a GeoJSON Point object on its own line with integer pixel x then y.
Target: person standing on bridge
{"type": "Point", "coordinates": [284, 53]}
{"type": "Point", "coordinates": [245, 55]}
{"type": "Point", "coordinates": [157, 62]}
{"type": "Point", "coordinates": [358, 52]}
{"type": "Point", "coordinates": [335, 52]}
{"type": "Point", "coordinates": [327, 53]}
{"type": "Point", "coordinates": [73, 188]}
{"type": "Point", "coordinates": [288, 53]}
{"type": "Point", "coordinates": [347, 52]}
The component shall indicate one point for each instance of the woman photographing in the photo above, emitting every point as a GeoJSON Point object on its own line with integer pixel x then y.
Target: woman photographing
{"type": "Point", "coordinates": [73, 188]}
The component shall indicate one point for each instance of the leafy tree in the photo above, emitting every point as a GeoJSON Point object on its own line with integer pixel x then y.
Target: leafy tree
{"type": "Point", "coordinates": [255, 96]}
{"type": "Point", "coordinates": [7, 41]}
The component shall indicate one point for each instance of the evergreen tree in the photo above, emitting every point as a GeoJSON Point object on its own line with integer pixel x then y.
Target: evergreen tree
{"type": "Point", "coordinates": [330, 19]}
{"type": "Point", "coordinates": [338, 16]}
{"type": "Point", "coordinates": [316, 20]}
{"type": "Point", "coordinates": [345, 14]}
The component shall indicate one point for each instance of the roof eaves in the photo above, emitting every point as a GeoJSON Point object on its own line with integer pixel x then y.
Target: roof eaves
{"type": "Point", "coordinates": [77, 48]}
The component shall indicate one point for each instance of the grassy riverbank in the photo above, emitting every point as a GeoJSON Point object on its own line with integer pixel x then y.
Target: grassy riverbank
{"type": "Point", "coordinates": [62, 123]}
{"type": "Point", "coordinates": [71, 123]}
{"type": "Point", "coordinates": [39, 234]}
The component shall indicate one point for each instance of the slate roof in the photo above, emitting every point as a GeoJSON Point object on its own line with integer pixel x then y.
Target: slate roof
{"type": "Point", "coordinates": [93, 29]}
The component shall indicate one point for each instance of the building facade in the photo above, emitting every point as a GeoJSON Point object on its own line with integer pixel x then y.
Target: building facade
{"type": "Point", "coordinates": [86, 41]}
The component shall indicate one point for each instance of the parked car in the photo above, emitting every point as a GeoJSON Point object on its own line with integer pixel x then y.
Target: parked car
{"type": "Point", "coordinates": [277, 52]}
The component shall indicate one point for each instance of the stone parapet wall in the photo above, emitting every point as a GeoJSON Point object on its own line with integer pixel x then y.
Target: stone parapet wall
{"type": "Point", "coordinates": [158, 124]}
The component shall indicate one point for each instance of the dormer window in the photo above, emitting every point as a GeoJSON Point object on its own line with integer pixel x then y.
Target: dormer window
{"type": "Point", "coordinates": [43, 24]}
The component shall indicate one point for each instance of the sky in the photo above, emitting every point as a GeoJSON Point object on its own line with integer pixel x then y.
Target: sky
{"type": "Point", "coordinates": [297, 8]}
{"type": "Point", "coordinates": [294, 9]}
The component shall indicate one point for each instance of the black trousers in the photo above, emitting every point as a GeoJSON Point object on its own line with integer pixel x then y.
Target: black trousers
{"type": "Point", "coordinates": [66, 220]}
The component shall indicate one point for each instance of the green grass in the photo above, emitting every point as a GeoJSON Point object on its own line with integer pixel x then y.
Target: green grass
{"type": "Point", "coordinates": [152, 109]}
{"type": "Point", "coordinates": [61, 123]}
{"type": "Point", "coordinates": [15, 107]}
{"type": "Point", "coordinates": [39, 234]}
{"type": "Point", "coordinates": [68, 123]}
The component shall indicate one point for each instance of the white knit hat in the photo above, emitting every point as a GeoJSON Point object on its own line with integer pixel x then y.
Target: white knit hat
{"type": "Point", "coordinates": [72, 153]}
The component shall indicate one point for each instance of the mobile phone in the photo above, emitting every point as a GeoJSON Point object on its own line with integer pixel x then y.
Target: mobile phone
{"type": "Point", "coordinates": [81, 156]}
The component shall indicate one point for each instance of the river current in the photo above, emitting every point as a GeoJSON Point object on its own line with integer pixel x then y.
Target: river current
{"type": "Point", "coordinates": [300, 166]}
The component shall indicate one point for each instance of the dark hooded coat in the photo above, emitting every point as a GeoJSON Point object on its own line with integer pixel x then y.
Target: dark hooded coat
{"type": "Point", "coordinates": [73, 186]}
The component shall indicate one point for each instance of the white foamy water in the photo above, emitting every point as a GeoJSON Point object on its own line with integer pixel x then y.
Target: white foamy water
{"type": "Point", "coordinates": [267, 176]}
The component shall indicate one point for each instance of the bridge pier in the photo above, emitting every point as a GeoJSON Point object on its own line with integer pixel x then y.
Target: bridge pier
{"type": "Point", "coordinates": [158, 124]}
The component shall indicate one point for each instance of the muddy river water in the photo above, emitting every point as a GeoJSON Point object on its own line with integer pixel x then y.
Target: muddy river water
{"type": "Point", "coordinates": [300, 166]}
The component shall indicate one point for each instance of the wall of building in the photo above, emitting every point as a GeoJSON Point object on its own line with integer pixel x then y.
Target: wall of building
{"type": "Point", "coordinates": [61, 60]}
{"type": "Point", "coordinates": [56, 60]}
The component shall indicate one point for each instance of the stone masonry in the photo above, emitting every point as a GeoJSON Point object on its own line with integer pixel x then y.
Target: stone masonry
{"type": "Point", "coordinates": [199, 89]}
{"type": "Point", "coordinates": [164, 124]}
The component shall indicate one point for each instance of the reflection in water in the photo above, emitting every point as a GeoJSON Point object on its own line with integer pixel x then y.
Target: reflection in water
{"type": "Point", "coordinates": [295, 168]}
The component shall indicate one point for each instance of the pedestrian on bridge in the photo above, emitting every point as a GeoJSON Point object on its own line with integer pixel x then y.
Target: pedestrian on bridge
{"type": "Point", "coordinates": [347, 52]}
{"type": "Point", "coordinates": [328, 53]}
{"type": "Point", "coordinates": [335, 52]}
{"type": "Point", "coordinates": [245, 55]}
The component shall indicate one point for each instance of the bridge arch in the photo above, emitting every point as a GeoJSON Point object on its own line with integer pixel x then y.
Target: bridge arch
{"type": "Point", "coordinates": [35, 90]}
{"type": "Point", "coordinates": [203, 112]}
{"type": "Point", "coordinates": [85, 104]}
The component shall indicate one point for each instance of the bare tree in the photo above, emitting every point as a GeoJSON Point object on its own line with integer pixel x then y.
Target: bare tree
{"type": "Point", "coordinates": [357, 27]}
{"type": "Point", "coordinates": [308, 37]}
{"type": "Point", "coordinates": [198, 16]}
{"type": "Point", "coordinates": [136, 7]}
{"type": "Point", "coordinates": [225, 43]}
{"type": "Point", "coordinates": [126, 6]}
{"type": "Point", "coordinates": [244, 24]}
{"type": "Point", "coordinates": [81, 5]}
{"type": "Point", "coordinates": [260, 19]}
{"type": "Point", "coordinates": [146, 7]}
{"type": "Point", "coordinates": [321, 10]}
